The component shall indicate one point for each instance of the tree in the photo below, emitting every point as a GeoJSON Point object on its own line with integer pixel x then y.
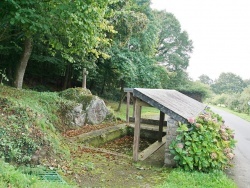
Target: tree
{"type": "Point", "coordinates": [205, 79]}
{"type": "Point", "coordinates": [69, 28]}
{"type": "Point", "coordinates": [228, 83]}
{"type": "Point", "coordinates": [247, 82]}
{"type": "Point", "coordinates": [174, 44]}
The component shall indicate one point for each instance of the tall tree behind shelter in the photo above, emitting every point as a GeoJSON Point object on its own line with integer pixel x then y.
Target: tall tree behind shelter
{"type": "Point", "coordinates": [71, 28]}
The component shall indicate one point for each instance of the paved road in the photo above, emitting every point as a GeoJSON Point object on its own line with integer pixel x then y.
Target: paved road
{"type": "Point", "coordinates": [241, 170]}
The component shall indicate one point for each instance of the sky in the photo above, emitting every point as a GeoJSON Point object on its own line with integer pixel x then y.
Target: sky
{"type": "Point", "coordinates": [220, 31]}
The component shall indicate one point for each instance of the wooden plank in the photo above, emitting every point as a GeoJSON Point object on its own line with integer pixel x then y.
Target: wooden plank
{"type": "Point", "coordinates": [151, 149]}
{"type": "Point", "coordinates": [137, 130]}
{"type": "Point", "coordinates": [142, 103]}
{"type": "Point", "coordinates": [161, 122]}
{"type": "Point", "coordinates": [127, 110]}
{"type": "Point", "coordinates": [147, 127]}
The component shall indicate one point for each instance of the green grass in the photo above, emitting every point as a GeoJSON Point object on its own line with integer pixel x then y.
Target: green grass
{"type": "Point", "coordinates": [12, 177]}
{"type": "Point", "coordinates": [241, 115]}
{"type": "Point", "coordinates": [147, 112]}
{"type": "Point", "coordinates": [180, 179]}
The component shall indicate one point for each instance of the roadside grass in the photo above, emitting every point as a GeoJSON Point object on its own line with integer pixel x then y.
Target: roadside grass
{"type": "Point", "coordinates": [178, 178]}
{"type": "Point", "coordinates": [241, 115]}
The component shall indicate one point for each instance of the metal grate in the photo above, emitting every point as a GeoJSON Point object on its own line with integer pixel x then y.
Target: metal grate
{"type": "Point", "coordinates": [51, 176]}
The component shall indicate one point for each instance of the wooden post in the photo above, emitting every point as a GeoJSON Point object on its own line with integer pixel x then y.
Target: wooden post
{"type": "Point", "coordinates": [162, 116]}
{"type": "Point", "coordinates": [84, 77]}
{"type": "Point", "coordinates": [128, 105]}
{"type": "Point", "coordinates": [137, 130]}
{"type": "Point", "coordinates": [133, 107]}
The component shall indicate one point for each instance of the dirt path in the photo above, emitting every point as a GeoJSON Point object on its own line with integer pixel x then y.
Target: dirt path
{"type": "Point", "coordinates": [241, 170]}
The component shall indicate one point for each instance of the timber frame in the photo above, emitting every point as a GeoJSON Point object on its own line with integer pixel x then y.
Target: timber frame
{"type": "Point", "coordinates": [173, 103]}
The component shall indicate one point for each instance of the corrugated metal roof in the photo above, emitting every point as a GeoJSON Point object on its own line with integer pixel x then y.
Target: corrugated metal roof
{"type": "Point", "coordinates": [170, 102]}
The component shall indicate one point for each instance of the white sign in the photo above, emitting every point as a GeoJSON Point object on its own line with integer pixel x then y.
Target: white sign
{"type": "Point", "coordinates": [248, 103]}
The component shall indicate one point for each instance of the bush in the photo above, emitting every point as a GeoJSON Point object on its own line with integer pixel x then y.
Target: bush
{"type": "Point", "coordinates": [220, 99]}
{"type": "Point", "coordinates": [233, 102]}
{"type": "Point", "coordinates": [204, 144]}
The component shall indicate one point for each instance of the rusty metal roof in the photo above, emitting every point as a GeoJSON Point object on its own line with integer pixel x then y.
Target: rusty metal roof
{"type": "Point", "coordinates": [171, 102]}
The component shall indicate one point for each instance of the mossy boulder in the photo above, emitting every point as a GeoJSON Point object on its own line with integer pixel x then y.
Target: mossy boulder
{"type": "Point", "coordinates": [87, 108]}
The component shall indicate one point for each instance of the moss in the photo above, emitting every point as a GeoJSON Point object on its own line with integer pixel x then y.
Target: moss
{"type": "Point", "coordinates": [78, 95]}
{"type": "Point", "coordinates": [75, 94]}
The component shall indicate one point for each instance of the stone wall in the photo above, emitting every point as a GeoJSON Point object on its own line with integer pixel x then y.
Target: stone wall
{"type": "Point", "coordinates": [171, 134]}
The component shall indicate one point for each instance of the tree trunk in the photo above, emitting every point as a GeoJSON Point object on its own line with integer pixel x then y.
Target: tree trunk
{"type": "Point", "coordinates": [68, 75]}
{"type": "Point", "coordinates": [21, 67]}
{"type": "Point", "coordinates": [122, 96]}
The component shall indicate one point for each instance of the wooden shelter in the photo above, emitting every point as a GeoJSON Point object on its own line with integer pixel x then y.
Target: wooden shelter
{"type": "Point", "coordinates": [176, 105]}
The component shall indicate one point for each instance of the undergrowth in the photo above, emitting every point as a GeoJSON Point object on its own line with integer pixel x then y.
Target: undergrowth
{"type": "Point", "coordinates": [29, 126]}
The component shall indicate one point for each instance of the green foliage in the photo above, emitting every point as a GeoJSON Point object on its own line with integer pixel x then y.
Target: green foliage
{"type": "Point", "coordinates": [75, 94]}
{"type": "Point", "coordinates": [228, 83]}
{"type": "Point", "coordinates": [117, 41]}
{"type": "Point", "coordinates": [205, 79]}
{"type": "Point", "coordinates": [196, 88]}
{"type": "Point", "coordinates": [174, 45]}
{"type": "Point", "coordinates": [3, 77]}
{"type": "Point", "coordinates": [219, 99]}
{"type": "Point", "coordinates": [78, 95]}
{"type": "Point", "coordinates": [204, 145]}
{"type": "Point", "coordinates": [19, 137]}
{"type": "Point", "coordinates": [183, 179]}
{"type": "Point", "coordinates": [68, 30]}
{"type": "Point", "coordinates": [236, 101]}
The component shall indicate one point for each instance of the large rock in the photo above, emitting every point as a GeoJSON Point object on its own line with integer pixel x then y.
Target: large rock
{"type": "Point", "coordinates": [96, 111]}
{"type": "Point", "coordinates": [79, 116]}
{"type": "Point", "coordinates": [84, 107]}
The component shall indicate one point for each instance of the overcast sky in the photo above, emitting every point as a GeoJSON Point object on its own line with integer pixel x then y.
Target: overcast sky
{"type": "Point", "coordinates": [220, 31]}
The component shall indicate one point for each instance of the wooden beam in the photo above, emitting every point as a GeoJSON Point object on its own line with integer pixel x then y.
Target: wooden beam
{"type": "Point", "coordinates": [137, 130]}
{"type": "Point", "coordinates": [128, 105]}
{"type": "Point", "coordinates": [162, 117]}
{"type": "Point", "coordinates": [151, 149]}
{"type": "Point", "coordinates": [142, 103]}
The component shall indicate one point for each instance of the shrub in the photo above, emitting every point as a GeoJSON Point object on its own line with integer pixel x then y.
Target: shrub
{"type": "Point", "coordinates": [233, 102]}
{"type": "Point", "coordinates": [204, 144]}
{"type": "Point", "coordinates": [220, 99]}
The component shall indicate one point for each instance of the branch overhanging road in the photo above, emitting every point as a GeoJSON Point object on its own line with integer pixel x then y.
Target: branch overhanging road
{"type": "Point", "coordinates": [241, 170]}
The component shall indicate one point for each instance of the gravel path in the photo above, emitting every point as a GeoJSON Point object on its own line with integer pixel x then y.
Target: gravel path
{"type": "Point", "coordinates": [241, 170]}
